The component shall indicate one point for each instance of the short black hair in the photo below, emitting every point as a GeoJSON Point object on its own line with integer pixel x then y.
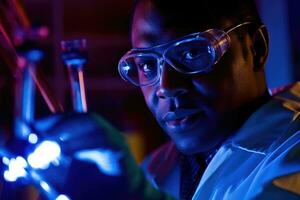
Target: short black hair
{"type": "Point", "coordinates": [191, 13]}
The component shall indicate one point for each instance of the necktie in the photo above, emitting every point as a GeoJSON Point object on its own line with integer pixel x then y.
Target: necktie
{"type": "Point", "coordinates": [191, 170]}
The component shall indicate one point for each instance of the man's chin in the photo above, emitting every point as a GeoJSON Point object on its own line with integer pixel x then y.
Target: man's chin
{"type": "Point", "coordinates": [195, 142]}
{"type": "Point", "coordinates": [193, 139]}
{"type": "Point", "coordinates": [187, 151]}
{"type": "Point", "coordinates": [192, 146]}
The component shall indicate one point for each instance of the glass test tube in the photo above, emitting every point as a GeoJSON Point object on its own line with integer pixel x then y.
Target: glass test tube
{"type": "Point", "coordinates": [74, 57]}
{"type": "Point", "coordinates": [29, 57]}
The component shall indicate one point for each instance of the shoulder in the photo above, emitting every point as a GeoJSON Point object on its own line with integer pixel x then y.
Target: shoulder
{"type": "Point", "coordinates": [272, 123]}
{"type": "Point", "coordinates": [279, 171]}
{"type": "Point", "coordinates": [161, 161]}
{"type": "Point", "coordinates": [162, 169]}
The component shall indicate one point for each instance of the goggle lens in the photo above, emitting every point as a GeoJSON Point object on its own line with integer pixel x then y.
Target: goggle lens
{"type": "Point", "coordinates": [140, 69]}
{"type": "Point", "coordinates": [192, 56]}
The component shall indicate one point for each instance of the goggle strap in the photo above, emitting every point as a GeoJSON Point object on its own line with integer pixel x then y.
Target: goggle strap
{"type": "Point", "coordinates": [229, 29]}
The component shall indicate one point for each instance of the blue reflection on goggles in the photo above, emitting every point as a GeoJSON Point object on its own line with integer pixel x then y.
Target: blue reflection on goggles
{"type": "Point", "coordinates": [191, 54]}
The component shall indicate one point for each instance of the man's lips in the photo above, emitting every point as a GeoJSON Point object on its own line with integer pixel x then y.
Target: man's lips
{"type": "Point", "coordinates": [179, 113]}
{"type": "Point", "coordinates": [180, 116]}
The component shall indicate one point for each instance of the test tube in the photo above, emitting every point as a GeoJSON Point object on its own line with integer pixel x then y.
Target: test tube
{"type": "Point", "coordinates": [29, 55]}
{"type": "Point", "coordinates": [74, 57]}
{"type": "Point", "coordinates": [24, 103]}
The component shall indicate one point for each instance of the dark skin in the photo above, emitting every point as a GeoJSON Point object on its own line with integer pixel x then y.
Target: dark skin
{"type": "Point", "coordinates": [199, 112]}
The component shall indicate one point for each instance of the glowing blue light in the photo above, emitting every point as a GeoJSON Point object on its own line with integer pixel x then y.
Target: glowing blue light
{"type": "Point", "coordinates": [44, 154]}
{"type": "Point", "coordinates": [21, 161]}
{"type": "Point", "coordinates": [5, 161]}
{"type": "Point", "coordinates": [16, 169]}
{"type": "Point", "coordinates": [75, 62]}
{"type": "Point", "coordinates": [10, 177]}
{"type": "Point", "coordinates": [32, 138]}
{"type": "Point", "coordinates": [21, 129]}
{"type": "Point", "coordinates": [126, 69]}
{"type": "Point", "coordinates": [62, 197]}
{"type": "Point", "coordinates": [108, 162]}
{"type": "Point", "coordinates": [56, 162]}
{"type": "Point", "coordinates": [34, 55]}
{"type": "Point", "coordinates": [45, 186]}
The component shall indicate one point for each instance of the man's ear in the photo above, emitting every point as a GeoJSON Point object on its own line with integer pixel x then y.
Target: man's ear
{"type": "Point", "coordinates": [260, 47]}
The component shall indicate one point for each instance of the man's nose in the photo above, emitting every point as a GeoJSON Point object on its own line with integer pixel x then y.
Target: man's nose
{"type": "Point", "coordinates": [172, 83]}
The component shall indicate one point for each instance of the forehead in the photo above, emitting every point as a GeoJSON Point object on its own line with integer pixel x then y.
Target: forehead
{"type": "Point", "coordinates": [153, 25]}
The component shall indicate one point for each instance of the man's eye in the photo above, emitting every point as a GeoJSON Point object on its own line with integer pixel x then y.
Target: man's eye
{"type": "Point", "coordinates": [146, 70]}
{"type": "Point", "coordinates": [144, 67]}
{"type": "Point", "coordinates": [191, 55]}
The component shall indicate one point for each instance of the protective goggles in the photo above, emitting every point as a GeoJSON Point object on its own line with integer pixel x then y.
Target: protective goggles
{"type": "Point", "coordinates": [191, 54]}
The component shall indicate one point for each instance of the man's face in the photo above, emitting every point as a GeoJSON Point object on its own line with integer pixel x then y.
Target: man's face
{"type": "Point", "coordinates": [194, 110]}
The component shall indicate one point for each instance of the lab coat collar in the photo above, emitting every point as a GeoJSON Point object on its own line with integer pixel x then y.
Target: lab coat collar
{"type": "Point", "coordinates": [269, 122]}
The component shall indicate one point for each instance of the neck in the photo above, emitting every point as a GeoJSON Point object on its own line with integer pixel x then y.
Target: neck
{"type": "Point", "coordinates": [241, 114]}
{"type": "Point", "coordinates": [233, 120]}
